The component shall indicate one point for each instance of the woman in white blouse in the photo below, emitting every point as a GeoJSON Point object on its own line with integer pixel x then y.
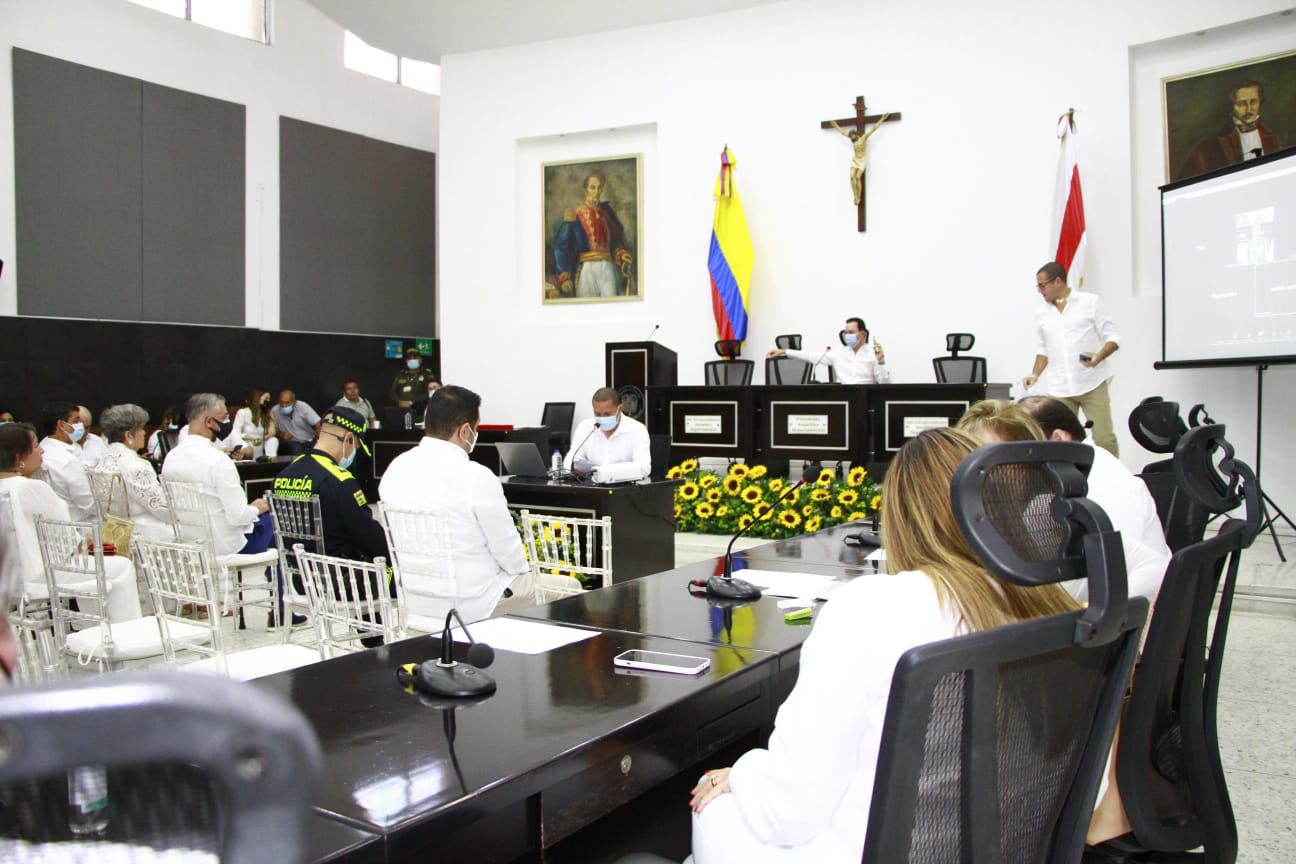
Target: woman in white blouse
{"type": "Point", "coordinates": [254, 423]}
{"type": "Point", "coordinates": [144, 502]}
{"type": "Point", "coordinates": [20, 557]}
{"type": "Point", "coordinates": [806, 797]}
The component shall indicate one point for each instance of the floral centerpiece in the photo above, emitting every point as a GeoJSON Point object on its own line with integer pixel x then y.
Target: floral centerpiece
{"type": "Point", "coordinates": [710, 503]}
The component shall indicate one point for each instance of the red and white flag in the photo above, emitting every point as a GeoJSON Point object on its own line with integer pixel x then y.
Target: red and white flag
{"type": "Point", "coordinates": [1068, 205]}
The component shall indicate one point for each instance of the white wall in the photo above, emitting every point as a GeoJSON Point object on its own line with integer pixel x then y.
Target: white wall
{"type": "Point", "coordinates": [959, 191]}
{"type": "Point", "coordinates": [300, 75]}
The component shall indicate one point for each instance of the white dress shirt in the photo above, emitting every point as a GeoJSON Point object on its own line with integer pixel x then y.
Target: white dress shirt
{"type": "Point", "coordinates": [144, 496]}
{"type": "Point", "coordinates": [628, 442]}
{"type": "Point", "coordinates": [484, 542]}
{"type": "Point", "coordinates": [195, 460]}
{"type": "Point", "coordinates": [852, 367]}
{"type": "Point", "coordinates": [93, 450]}
{"type": "Point", "coordinates": [1081, 328]}
{"type": "Point", "coordinates": [806, 797]}
{"type": "Point", "coordinates": [68, 478]}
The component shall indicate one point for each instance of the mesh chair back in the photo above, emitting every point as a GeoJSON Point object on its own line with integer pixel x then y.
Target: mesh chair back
{"type": "Point", "coordinates": [787, 370]}
{"type": "Point", "coordinates": [1156, 424]}
{"type": "Point", "coordinates": [422, 564]}
{"type": "Point", "coordinates": [349, 599]}
{"type": "Point", "coordinates": [575, 547]}
{"type": "Point", "coordinates": [728, 348]}
{"type": "Point", "coordinates": [179, 575]}
{"type": "Point", "coordinates": [1168, 763]}
{"type": "Point", "coordinates": [1183, 520]}
{"type": "Point", "coordinates": [960, 370]}
{"type": "Point", "coordinates": [788, 340]}
{"type": "Point", "coordinates": [72, 554]}
{"type": "Point", "coordinates": [297, 521]}
{"type": "Point", "coordinates": [729, 373]}
{"type": "Point", "coordinates": [557, 418]}
{"type": "Point", "coordinates": [196, 764]}
{"type": "Point", "coordinates": [996, 742]}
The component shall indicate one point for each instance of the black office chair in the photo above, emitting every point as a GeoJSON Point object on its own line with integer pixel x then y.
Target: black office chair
{"type": "Point", "coordinates": [729, 371]}
{"type": "Point", "coordinates": [190, 762]}
{"type": "Point", "coordinates": [557, 418]}
{"type": "Point", "coordinates": [659, 450]}
{"type": "Point", "coordinates": [959, 369]}
{"type": "Point", "coordinates": [1156, 425]}
{"type": "Point", "coordinates": [787, 370]}
{"type": "Point", "coordinates": [168, 437]}
{"type": "Point", "coordinates": [788, 340]}
{"type": "Point", "coordinates": [1168, 764]}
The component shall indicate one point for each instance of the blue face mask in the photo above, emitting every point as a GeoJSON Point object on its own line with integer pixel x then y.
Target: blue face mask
{"type": "Point", "coordinates": [287, 410]}
{"type": "Point", "coordinates": [852, 339]}
{"type": "Point", "coordinates": [78, 432]}
{"type": "Point", "coordinates": [345, 462]}
{"type": "Point", "coordinates": [412, 364]}
{"type": "Point", "coordinates": [606, 423]}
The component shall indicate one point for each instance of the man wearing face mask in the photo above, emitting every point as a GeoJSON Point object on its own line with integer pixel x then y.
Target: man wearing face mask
{"type": "Point", "coordinates": [855, 361]}
{"type": "Point", "coordinates": [609, 438]}
{"type": "Point", "coordinates": [61, 424]}
{"type": "Point", "coordinates": [411, 383]}
{"type": "Point", "coordinates": [297, 422]}
{"type": "Point", "coordinates": [490, 568]}
{"type": "Point", "coordinates": [350, 530]}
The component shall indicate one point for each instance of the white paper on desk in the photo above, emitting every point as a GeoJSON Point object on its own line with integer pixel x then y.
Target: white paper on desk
{"type": "Point", "coordinates": [780, 583]}
{"type": "Point", "coordinates": [878, 555]}
{"type": "Point", "coordinates": [522, 637]}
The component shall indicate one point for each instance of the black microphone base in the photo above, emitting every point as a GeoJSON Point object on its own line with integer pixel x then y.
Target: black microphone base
{"type": "Point", "coordinates": [456, 681]}
{"type": "Point", "coordinates": [732, 589]}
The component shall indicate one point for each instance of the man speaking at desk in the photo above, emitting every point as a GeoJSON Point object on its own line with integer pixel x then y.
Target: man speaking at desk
{"type": "Point", "coordinates": [855, 362]}
{"type": "Point", "coordinates": [610, 440]}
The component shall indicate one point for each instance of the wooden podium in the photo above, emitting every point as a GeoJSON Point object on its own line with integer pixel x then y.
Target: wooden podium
{"type": "Point", "coordinates": [633, 367]}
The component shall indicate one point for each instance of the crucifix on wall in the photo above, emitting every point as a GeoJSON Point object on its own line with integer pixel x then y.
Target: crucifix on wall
{"type": "Point", "coordinates": [859, 136]}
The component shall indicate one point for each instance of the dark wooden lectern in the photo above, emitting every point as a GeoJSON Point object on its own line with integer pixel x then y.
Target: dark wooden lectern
{"type": "Point", "coordinates": [633, 367]}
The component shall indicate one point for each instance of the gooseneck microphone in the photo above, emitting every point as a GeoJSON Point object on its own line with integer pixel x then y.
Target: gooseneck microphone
{"type": "Point", "coordinates": [445, 677]}
{"type": "Point", "coordinates": [725, 585]}
{"type": "Point", "coordinates": [572, 452]}
{"type": "Point", "coordinates": [656, 327]}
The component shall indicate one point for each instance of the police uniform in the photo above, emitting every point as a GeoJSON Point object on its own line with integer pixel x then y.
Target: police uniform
{"type": "Point", "coordinates": [350, 530]}
{"type": "Point", "coordinates": [410, 385]}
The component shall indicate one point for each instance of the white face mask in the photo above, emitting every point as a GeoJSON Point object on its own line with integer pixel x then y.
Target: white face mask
{"type": "Point", "coordinates": [412, 363]}
{"type": "Point", "coordinates": [476, 436]}
{"type": "Point", "coordinates": [77, 433]}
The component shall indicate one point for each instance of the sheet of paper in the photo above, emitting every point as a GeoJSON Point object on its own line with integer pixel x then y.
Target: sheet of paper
{"type": "Point", "coordinates": [878, 555]}
{"type": "Point", "coordinates": [780, 583]}
{"type": "Point", "coordinates": [523, 637]}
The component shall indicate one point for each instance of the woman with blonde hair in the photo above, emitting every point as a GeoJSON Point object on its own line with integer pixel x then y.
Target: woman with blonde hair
{"type": "Point", "coordinates": [806, 797]}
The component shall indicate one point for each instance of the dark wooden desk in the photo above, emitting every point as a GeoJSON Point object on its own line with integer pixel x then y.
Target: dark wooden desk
{"type": "Point", "coordinates": [333, 842]}
{"type": "Point", "coordinates": [565, 740]}
{"type": "Point", "coordinates": [386, 444]}
{"type": "Point", "coordinates": [258, 477]}
{"type": "Point", "coordinates": [643, 517]}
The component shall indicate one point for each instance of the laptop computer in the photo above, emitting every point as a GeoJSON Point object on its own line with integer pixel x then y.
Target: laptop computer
{"type": "Point", "coordinates": [521, 459]}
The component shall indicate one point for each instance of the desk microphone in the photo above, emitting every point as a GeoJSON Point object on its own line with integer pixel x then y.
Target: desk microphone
{"type": "Point", "coordinates": [725, 585]}
{"type": "Point", "coordinates": [572, 452]}
{"type": "Point", "coordinates": [656, 327]}
{"type": "Point", "coordinates": [815, 365]}
{"type": "Point", "coordinates": [447, 678]}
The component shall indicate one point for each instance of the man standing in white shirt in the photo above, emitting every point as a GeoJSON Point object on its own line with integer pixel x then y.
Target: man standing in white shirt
{"type": "Point", "coordinates": [610, 438]}
{"type": "Point", "coordinates": [854, 362]}
{"type": "Point", "coordinates": [63, 430]}
{"type": "Point", "coordinates": [1074, 338]}
{"type": "Point", "coordinates": [93, 448]}
{"type": "Point", "coordinates": [491, 569]}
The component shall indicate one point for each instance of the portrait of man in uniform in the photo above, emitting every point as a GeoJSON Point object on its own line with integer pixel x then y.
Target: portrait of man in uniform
{"type": "Point", "coordinates": [1220, 117]}
{"type": "Point", "coordinates": [592, 217]}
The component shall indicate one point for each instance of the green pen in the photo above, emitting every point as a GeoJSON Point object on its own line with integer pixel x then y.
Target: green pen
{"type": "Point", "coordinates": [799, 616]}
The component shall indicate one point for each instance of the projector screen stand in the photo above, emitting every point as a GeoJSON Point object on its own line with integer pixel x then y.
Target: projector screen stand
{"type": "Point", "coordinates": [1267, 504]}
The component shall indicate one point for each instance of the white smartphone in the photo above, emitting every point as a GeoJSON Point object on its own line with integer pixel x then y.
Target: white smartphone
{"type": "Point", "coordinates": [656, 661]}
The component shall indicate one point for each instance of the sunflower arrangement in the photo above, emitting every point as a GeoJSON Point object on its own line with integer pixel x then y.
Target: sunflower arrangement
{"type": "Point", "coordinates": [711, 503]}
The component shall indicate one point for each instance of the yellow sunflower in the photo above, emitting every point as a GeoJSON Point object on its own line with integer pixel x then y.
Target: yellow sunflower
{"type": "Point", "coordinates": [813, 524]}
{"type": "Point", "coordinates": [689, 491]}
{"type": "Point", "coordinates": [807, 510]}
{"type": "Point", "coordinates": [688, 466]}
{"type": "Point", "coordinates": [739, 470]}
{"type": "Point", "coordinates": [732, 484]}
{"type": "Point", "coordinates": [703, 509]}
{"type": "Point", "coordinates": [673, 473]}
{"type": "Point", "coordinates": [775, 485]}
{"type": "Point", "coordinates": [744, 520]}
{"type": "Point", "coordinates": [757, 472]}
{"type": "Point", "coordinates": [762, 510]}
{"type": "Point", "coordinates": [820, 495]}
{"type": "Point", "coordinates": [722, 510]}
{"type": "Point", "coordinates": [856, 475]}
{"type": "Point", "coordinates": [709, 480]}
{"type": "Point", "coordinates": [826, 477]}
{"type": "Point", "coordinates": [835, 512]}
{"type": "Point", "coordinates": [847, 497]}
{"type": "Point", "coordinates": [856, 515]}
{"type": "Point", "coordinates": [876, 502]}
{"type": "Point", "coordinates": [789, 518]}
{"type": "Point", "coordinates": [714, 496]}
{"type": "Point", "coordinates": [678, 510]}
{"type": "Point", "coordinates": [794, 498]}
{"type": "Point", "coordinates": [752, 494]}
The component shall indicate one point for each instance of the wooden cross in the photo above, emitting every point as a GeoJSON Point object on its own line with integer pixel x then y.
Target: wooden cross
{"type": "Point", "coordinates": [860, 122]}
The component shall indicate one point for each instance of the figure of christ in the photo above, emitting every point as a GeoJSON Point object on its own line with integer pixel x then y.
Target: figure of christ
{"type": "Point", "coordinates": [860, 160]}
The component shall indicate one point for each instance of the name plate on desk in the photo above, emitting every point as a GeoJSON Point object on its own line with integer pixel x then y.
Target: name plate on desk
{"type": "Point", "coordinates": [807, 424]}
{"type": "Point", "coordinates": [915, 426]}
{"type": "Point", "coordinates": [703, 424]}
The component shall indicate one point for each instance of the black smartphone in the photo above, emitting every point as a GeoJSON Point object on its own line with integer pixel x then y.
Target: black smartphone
{"type": "Point", "coordinates": [1085, 358]}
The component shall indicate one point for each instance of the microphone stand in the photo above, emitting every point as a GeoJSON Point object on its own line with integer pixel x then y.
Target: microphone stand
{"type": "Point", "coordinates": [448, 678]}
{"type": "Point", "coordinates": [725, 585]}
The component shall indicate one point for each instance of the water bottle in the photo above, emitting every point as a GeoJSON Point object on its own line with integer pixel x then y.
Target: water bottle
{"type": "Point", "coordinates": [409, 419]}
{"type": "Point", "coordinates": [555, 464]}
{"type": "Point", "coordinates": [88, 800]}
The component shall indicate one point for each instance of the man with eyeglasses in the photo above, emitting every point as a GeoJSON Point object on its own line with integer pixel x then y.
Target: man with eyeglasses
{"type": "Point", "coordinates": [1075, 336]}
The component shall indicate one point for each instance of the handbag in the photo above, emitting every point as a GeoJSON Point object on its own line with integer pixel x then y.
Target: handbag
{"type": "Point", "coordinates": [117, 530]}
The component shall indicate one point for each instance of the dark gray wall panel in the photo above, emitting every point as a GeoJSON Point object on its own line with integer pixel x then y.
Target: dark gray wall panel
{"type": "Point", "coordinates": [357, 233]}
{"type": "Point", "coordinates": [77, 189]}
{"type": "Point", "coordinates": [193, 208]}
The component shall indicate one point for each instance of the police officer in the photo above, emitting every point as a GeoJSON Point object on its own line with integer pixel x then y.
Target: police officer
{"type": "Point", "coordinates": [410, 384]}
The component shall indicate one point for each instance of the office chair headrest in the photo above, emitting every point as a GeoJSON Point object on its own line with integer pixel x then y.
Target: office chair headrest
{"type": "Point", "coordinates": [956, 342]}
{"type": "Point", "coordinates": [788, 340]}
{"type": "Point", "coordinates": [1156, 424]}
{"type": "Point", "coordinates": [728, 348]}
{"type": "Point", "coordinates": [1219, 485]}
{"type": "Point", "coordinates": [1023, 510]}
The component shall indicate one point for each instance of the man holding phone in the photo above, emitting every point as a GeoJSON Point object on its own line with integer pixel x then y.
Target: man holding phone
{"type": "Point", "coordinates": [855, 362]}
{"type": "Point", "coordinates": [1075, 336]}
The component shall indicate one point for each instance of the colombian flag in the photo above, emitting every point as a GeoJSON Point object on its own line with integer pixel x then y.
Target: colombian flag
{"type": "Point", "coordinates": [730, 261]}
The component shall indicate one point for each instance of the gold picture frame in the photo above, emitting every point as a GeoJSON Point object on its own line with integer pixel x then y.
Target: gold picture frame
{"type": "Point", "coordinates": [593, 234]}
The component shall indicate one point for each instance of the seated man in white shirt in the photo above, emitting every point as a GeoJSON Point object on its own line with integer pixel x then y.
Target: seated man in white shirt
{"type": "Point", "coordinates": [63, 430]}
{"type": "Point", "coordinates": [854, 362]}
{"type": "Point", "coordinates": [232, 445]}
{"type": "Point", "coordinates": [490, 567]}
{"type": "Point", "coordinates": [93, 448]}
{"type": "Point", "coordinates": [609, 439]}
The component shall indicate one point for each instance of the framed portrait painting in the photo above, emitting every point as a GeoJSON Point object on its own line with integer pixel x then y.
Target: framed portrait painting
{"type": "Point", "coordinates": [1221, 116]}
{"type": "Point", "coordinates": [593, 223]}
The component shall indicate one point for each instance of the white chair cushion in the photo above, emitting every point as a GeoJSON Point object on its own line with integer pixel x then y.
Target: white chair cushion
{"type": "Point", "coordinates": [239, 561]}
{"type": "Point", "coordinates": [257, 662]}
{"type": "Point", "coordinates": [133, 640]}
